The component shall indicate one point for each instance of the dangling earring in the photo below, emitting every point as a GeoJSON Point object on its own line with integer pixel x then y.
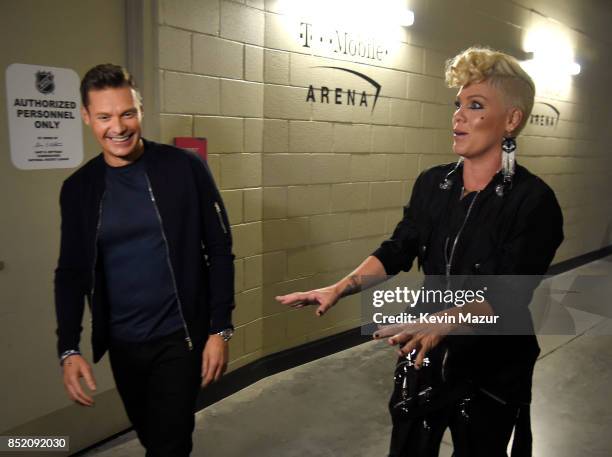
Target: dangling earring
{"type": "Point", "coordinates": [508, 148]}
{"type": "Point", "coordinates": [508, 162]}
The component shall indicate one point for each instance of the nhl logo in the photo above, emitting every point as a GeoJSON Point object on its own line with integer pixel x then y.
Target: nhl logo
{"type": "Point", "coordinates": [44, 82]}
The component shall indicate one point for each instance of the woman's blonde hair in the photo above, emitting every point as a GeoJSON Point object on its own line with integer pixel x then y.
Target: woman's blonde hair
{"type": "Point", "coordinates": [502, 71]}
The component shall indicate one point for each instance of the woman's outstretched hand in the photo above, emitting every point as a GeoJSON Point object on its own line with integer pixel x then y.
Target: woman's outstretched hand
{"type": "Point", "coordinates": [323, 299]}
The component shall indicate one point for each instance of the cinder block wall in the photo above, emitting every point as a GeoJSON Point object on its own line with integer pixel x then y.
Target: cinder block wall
{"type": "Point", "coordinates": [313, 187]}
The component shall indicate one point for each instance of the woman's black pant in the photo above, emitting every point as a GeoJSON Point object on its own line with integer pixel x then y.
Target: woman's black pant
{"type": "Point", "coordinates": [158, 382]}
{"type": "Point", "coordinates": [485, 432]}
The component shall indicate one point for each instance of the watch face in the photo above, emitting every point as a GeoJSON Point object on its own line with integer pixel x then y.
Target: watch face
{"type": "Point", "coordinates": [226, 334]}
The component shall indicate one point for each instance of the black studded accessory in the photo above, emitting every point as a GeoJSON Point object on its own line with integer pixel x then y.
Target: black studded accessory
{"type": "Point", "coordinates": [447, 183]}
{"type": "Point", "coordinates": [417, 392]}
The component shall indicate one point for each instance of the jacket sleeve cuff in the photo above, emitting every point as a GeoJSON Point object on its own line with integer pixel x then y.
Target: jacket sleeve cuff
{"type": "Point", "coordinates": [219, 327]}
{"type": "Point", "coordinates": [221, 319]}
{"type": "Point", "coordinates": [388, 259]}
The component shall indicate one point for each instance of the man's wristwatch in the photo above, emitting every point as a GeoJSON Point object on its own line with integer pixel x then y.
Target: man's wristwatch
{"type": "Point", "coordinates": [226, 334]}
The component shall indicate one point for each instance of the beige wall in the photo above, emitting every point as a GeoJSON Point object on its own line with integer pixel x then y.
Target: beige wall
{"type": "Point", "coordinates": [72, 34]}
{"type": "Point", "coordinates": [312, 188]}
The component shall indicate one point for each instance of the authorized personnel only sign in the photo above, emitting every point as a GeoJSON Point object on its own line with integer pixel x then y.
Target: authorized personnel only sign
{"type": "Point", "coordinates": [43, 107]}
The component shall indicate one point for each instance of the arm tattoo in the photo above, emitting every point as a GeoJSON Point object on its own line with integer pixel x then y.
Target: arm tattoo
{"type": "Point", "coordinates": [353, 286]}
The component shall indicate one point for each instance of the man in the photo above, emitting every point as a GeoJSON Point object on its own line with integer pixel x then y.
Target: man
{"type": "Point", "coordinates": [146, 239]}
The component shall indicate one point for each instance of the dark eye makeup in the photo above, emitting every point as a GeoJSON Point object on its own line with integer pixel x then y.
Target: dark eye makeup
{"type": "Point", "coordinates": [473, 104]}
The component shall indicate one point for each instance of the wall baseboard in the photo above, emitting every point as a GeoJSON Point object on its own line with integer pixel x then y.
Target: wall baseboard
{"type": "Point", "coordinates": [575, 262]}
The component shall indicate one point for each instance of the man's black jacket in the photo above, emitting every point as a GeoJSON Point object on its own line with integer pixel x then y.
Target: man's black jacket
{"type": "Point", "coordinates": [196, 230]}
{"type": "Point", "coordinates": [517, 233]}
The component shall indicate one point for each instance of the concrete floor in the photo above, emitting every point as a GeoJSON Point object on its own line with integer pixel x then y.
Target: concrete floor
{"type": "Point", "coordinates": [336, 406]}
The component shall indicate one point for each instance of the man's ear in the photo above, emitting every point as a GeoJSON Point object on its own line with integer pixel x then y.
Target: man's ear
{"type": "Point", "coordinates": [85, 115]}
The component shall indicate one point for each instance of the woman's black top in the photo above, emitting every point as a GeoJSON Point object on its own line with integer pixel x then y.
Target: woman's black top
{"type": "Point", "coordinates": [516, 233]}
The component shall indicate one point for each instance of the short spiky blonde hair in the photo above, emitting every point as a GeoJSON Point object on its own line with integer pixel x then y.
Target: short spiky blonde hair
{"type": "Point", "coordinates": [502, 71]}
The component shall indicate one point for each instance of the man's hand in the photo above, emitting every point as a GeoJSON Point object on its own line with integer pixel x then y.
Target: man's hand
{"type": "Point", "coordinates": [214, 359]}
{"type": "Point", "coordinates": [76, 367]}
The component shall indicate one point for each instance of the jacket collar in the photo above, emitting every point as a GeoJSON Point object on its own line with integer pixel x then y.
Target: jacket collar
{"type": "Point", "coordinates": [456, 176]}
{"type": "Point", "coordinates": [98, 167]}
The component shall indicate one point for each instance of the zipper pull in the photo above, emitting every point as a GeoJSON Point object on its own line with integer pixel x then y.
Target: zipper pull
{"type": "Point", "coordinates": [218, 210]}
{"type": "Point", "coordinates": [189, 343]}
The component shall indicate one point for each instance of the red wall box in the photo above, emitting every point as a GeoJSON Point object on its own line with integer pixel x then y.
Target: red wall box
{"type": "Point", "coordinates": [197, 145]}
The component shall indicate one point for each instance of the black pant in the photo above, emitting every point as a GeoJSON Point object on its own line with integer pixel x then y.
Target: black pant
{"type": "Point", "coordinates": [158, 382]}
{"type": "Point", "coordinates": [485, 432]}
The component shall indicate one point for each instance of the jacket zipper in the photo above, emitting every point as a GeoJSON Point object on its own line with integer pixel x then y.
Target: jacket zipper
{"type": "Point", "coordinates": [95, 258]}
{"type": "Point", "coordinates": [494, 397]}
{"type": "Point", "coordinates": [449, 260]}
{"type": "Point", "coordinates": [178, 299]}
{"type": "Point", "coordinates": [218, 210]}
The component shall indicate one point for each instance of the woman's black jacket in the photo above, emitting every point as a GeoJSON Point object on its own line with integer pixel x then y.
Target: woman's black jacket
{"type": "Point", "coordinates": [196, 230]}
{"type": "Point", "coordinates": [513, 234]}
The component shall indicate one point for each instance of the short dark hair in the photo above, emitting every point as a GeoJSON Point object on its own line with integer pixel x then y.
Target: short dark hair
{"type": "Point", "coordinates": [104, 76]}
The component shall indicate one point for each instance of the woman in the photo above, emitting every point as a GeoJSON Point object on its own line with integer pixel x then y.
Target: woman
{"type": "Point", "coordinates": [484, 215]}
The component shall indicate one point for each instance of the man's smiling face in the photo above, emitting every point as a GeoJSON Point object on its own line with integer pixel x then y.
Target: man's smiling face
{"type": "Point", "coordinates": [115, 117]}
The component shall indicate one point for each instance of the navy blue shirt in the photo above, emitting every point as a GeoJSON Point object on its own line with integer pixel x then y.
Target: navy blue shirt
{"type": "Point", "coordinates": [139, 283]}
